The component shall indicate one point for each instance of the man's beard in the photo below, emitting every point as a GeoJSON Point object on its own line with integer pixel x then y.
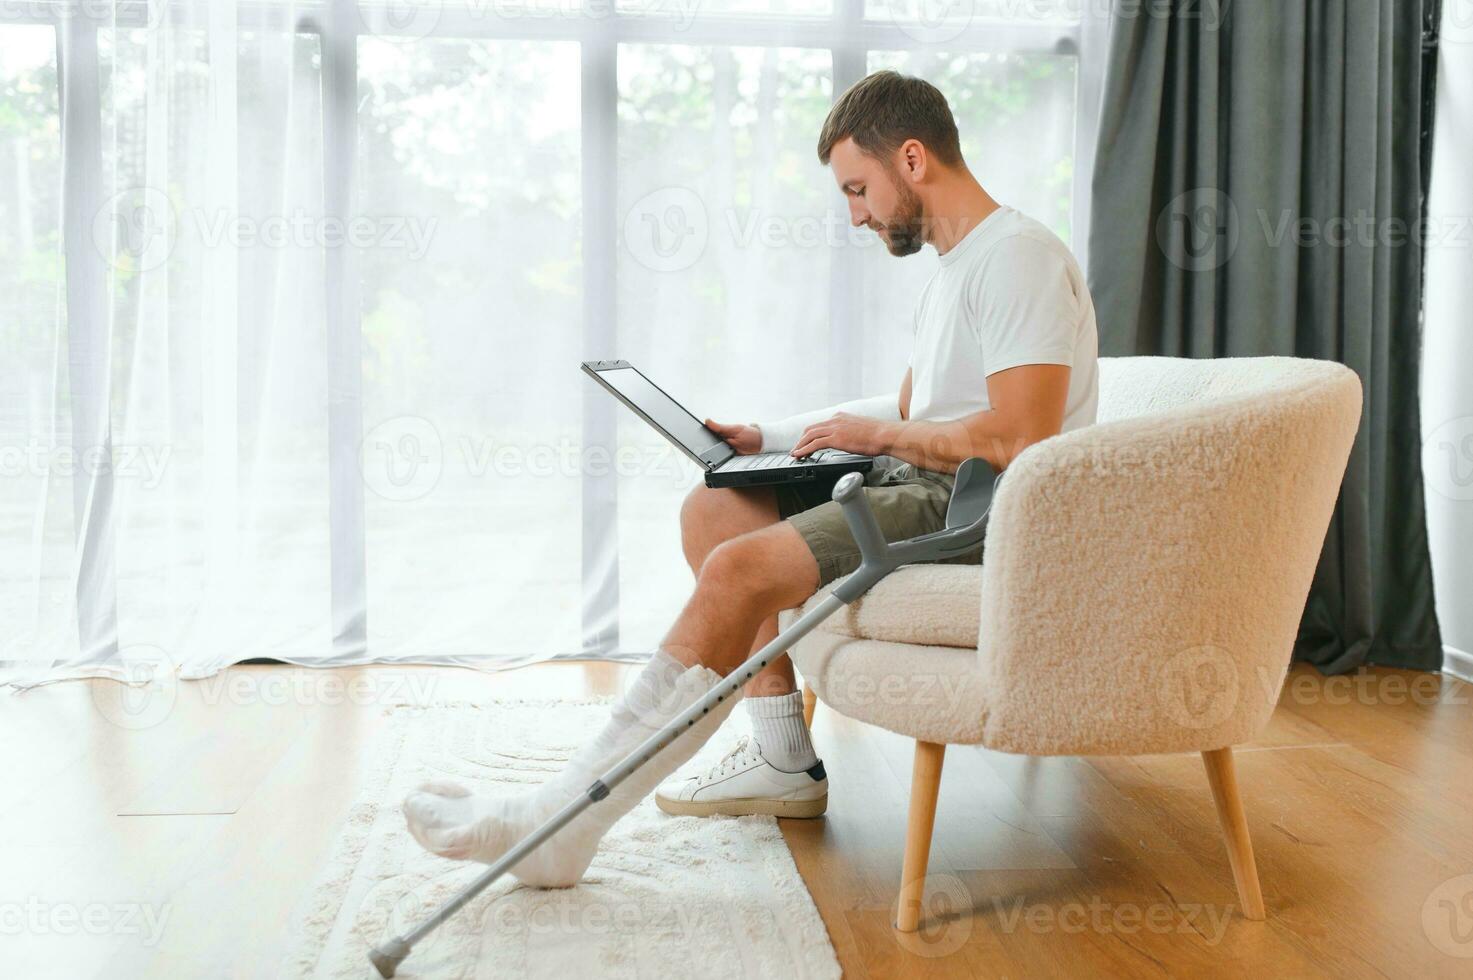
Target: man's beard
{"type": "Point", "coordinates": [905, 231]}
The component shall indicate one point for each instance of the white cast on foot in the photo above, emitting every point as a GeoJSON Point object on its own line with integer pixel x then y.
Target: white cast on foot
{"type": "Point", "coordinates": [447, 819]}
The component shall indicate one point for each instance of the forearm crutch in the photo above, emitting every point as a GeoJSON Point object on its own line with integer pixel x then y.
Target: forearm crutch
{"type": "Point", "coordinates": [966, 520]}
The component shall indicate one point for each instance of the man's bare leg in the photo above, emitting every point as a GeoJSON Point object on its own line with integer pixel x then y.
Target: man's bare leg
{"type": "Point", "coordinates": [742, 583]}
{"type": "Point", "coordinates": [708, 519]}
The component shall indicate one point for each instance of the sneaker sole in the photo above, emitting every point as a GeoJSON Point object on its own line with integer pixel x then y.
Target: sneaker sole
{"type": "Point", "coordinates": [798, 809]}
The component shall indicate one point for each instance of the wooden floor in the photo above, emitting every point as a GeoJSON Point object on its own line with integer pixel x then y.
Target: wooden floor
{"type": "Point", "coordinates": [173, 839]}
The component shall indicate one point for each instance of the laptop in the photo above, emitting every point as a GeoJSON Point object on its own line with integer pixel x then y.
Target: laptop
{"type": "Point", "coordinates": [723, 466]}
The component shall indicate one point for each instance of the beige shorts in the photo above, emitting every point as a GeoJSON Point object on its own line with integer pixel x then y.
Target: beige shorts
{"type": "Point", "coordinates": [907, 501]}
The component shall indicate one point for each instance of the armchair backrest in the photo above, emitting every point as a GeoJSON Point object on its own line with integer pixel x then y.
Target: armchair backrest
{"type": "Point", "coordinates": [1145, 577]}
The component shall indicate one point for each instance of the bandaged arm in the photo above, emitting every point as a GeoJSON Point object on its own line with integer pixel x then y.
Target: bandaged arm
{"type": "Point", "coordinates": [783, 434]}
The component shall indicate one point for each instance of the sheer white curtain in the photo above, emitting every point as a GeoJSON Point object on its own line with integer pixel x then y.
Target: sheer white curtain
{"type": "Point", "coordinates": [293, 296]}
{"type": "Point", "coordinates": [163, 322]}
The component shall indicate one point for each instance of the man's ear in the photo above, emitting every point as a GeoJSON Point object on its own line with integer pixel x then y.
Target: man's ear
{"type": "Point", "coordinates": [913, 160]}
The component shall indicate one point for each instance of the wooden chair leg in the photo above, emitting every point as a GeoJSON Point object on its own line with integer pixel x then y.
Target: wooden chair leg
{"type": "Point", "coordinates": [925, 783]}
{"type": "Point", "coordinates": [1224, 779]}
{"type": "Point", "coordinates": [810, 700]}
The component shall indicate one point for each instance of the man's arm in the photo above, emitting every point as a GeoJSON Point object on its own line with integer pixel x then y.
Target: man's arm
{"type": "Point", "coordinates": [1028, 405]}
{"type": "Point", "coordinates": [772, 437]}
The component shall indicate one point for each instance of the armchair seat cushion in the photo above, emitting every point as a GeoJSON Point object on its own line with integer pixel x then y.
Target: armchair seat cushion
{"type": "Point", "coordinates": [933, 693]}
{"type": "Point", "coordinates": [929, 605]}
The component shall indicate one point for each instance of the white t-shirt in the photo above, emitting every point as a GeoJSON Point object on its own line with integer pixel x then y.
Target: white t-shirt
{"type": "Point", "coordinates": [1009, 293]}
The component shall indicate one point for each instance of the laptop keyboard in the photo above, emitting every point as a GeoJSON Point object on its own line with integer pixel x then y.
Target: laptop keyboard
{"type": "Point", "coordinates": [765, 461]}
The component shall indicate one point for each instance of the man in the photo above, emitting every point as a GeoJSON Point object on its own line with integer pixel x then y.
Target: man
{"type": "Point", "coordinates": [1004, 356]}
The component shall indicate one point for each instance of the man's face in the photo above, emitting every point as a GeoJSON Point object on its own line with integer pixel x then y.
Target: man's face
{"type": "Point", "coordinates": [879, 198]}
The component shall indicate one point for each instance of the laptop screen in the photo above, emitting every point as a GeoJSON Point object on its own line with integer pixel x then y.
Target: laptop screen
{"type": "Point", "coordinates": [665, 414]}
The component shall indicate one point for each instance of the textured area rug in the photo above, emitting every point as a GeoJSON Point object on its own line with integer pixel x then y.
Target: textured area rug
{"type": "Point", "coordinates": [665, 897]}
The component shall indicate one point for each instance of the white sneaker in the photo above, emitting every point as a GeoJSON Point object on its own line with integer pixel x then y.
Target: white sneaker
{"type": "Point", "coordinates": [742, 783]}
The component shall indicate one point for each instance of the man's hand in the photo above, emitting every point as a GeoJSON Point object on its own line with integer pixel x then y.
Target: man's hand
{"type": "Point", "coordinates": [847, 433]}
{"type": "Point", "coordinates": [745, 439]}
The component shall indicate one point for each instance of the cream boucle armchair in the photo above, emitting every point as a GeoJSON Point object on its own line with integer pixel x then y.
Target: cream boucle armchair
{"type": "Point", "coordinates": [1140, 593]}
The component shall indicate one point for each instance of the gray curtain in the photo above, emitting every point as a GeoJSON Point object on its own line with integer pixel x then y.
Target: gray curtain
{"type": "Point", "coordinates": [1256, 189]}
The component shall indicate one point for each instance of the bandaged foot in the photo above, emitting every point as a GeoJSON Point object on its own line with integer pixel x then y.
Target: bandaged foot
{"type": "Point", "coordinates": [447, 819]}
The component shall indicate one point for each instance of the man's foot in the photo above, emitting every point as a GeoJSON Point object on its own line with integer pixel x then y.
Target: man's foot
{"type": "Point", "coordinates": [448, 820]}
{"type": "Point", "coordinates": [742, 783]}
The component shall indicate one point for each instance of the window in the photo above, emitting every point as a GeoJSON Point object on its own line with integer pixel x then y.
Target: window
{"type": "Point", "coordinates": [386, 451]}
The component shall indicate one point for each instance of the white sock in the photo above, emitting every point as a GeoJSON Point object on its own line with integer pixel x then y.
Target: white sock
{"type": "Point", "coordinates": [447, 819]}
{"type": "Point", "coordinates": [777, 725]}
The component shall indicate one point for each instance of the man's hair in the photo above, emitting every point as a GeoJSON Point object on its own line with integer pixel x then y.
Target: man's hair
{"type": "Point", "coordinates": [883, 110]}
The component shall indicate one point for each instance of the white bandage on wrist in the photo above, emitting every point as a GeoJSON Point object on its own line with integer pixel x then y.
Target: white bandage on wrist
{"type": "Point", "coordinates": [784, 433]}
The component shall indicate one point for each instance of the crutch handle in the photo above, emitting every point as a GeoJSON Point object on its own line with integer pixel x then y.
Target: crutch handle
{"type": "Point", "coordinates": [966, 525]}
{"type": "Point", "coordinates": [849, 492]}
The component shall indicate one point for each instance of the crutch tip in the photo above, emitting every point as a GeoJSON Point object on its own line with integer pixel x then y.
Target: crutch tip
{"type": "Point", "coordinates": [387, 957]}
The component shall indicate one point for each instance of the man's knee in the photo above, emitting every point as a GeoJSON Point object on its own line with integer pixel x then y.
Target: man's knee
{"type": "Point", "coordinates": [709, 517]}
{"type": "Point", "coordinates": [697, 515]}
{"type": "Point", "coordinates": [698, 507]}
{"type": "Point", "coordinates": [767, 570]}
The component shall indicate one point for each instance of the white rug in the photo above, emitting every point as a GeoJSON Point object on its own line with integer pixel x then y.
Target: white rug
{"type": "Point", "coordinates": [665, 897]}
